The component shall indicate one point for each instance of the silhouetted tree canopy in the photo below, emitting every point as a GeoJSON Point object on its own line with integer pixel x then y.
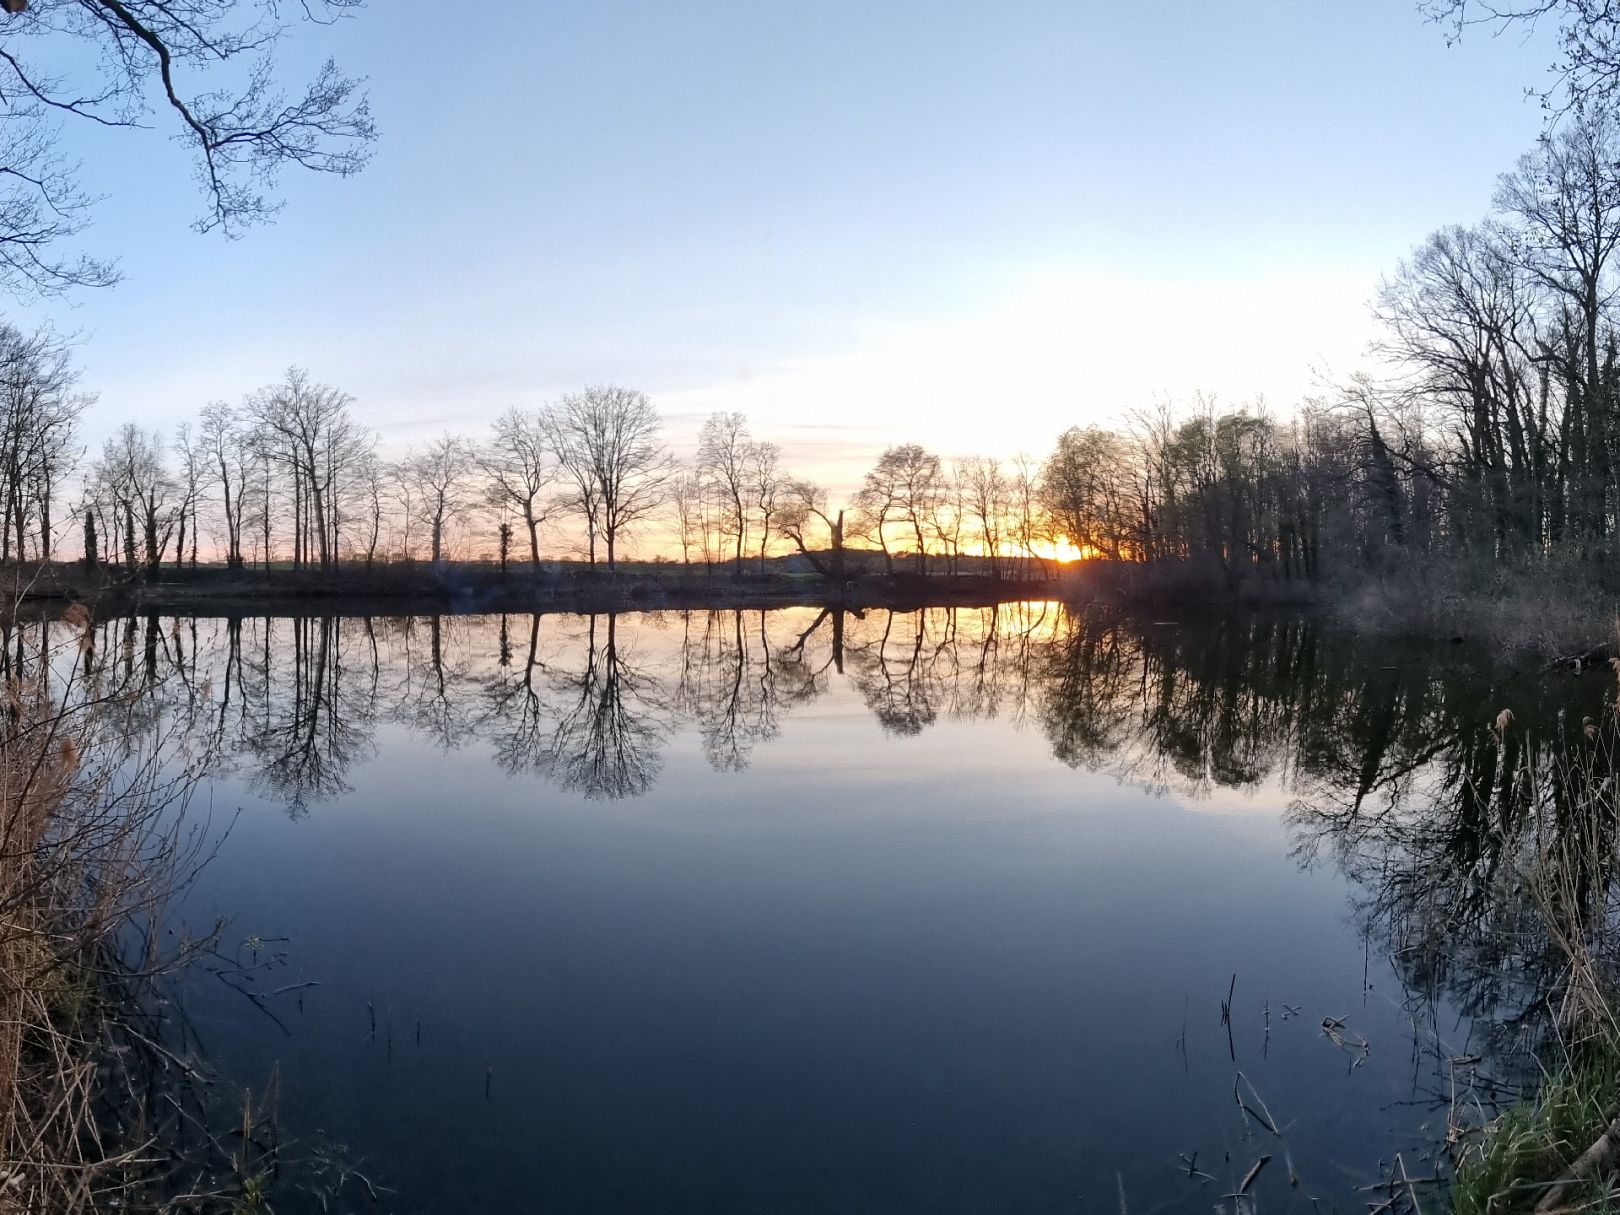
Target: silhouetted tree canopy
{"type": "Point", "coordinates": [206, 69]}
{"type": "Point", "coordinates": [1586, 75]}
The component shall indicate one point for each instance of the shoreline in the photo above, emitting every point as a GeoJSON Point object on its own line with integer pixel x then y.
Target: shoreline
{"type": "Point", "coordinates": [1547, 610]}
{"type": "Point", "coordinates": [464, 589]}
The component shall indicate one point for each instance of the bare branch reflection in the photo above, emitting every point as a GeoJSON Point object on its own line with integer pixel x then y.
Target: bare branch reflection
{"type": "Point", "coordinates": [608, 738]}
{"type": "Point", "coordinates": [1395, 768]}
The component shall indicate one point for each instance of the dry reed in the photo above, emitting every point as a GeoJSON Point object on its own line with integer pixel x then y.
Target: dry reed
{"type": "Point", "coordinates": [93, 840]}
{"type": "Point", "coordinates": [1557, 1150]}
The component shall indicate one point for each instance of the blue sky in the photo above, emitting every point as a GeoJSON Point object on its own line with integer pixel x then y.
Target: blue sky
{"type": "Point", "coordinates": [963, 224]}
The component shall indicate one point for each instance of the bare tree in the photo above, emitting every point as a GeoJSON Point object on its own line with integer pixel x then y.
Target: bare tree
{"type": "Point", "coordinates": [1566, 196]}
{"type": "Point", "coordinates": [984, 501]}
{"type": "Point", "coordinates": [191, 475]}
{"type": "Point", "coordinates": [263, 492]}
{"type": "Point", "coordinates": [403, 491]}
{"type": "Point", "coordinates": [441, 476]}
{"type": "Point", "coordinates": [372, 475]}
{"type": "Point", "coordinates": [1587, 75]}
{"type": "Point", "coordinates": [307, 428]}
{"type": "Point", "coordinates": [803, 506]}
{"type": "Point", "coordinates": [948, 518]}
{"type": "Point", "coordinates": [133, 471]}
{"type": "Point", "coordinates": [686, 492]}
{"type": "Point", "coordinates": [606, 440]}
{"type": "Point", "coordinates": [350, 491]}
{"type": "Point", "coordinates": [39, 413]}
{"type": "Point", "coordinates": [143, 52]}
{"type": "Point", "coordinates": [1082, 489]}
{"type": "Point", "coordinates": [520, 468]}
{"type": "Point", "coordinates": [1458, 315]}
{"type": "Point", "coordinates": [1025, 520]}
{"type": "Point", "coordinates": [725, 455]}
{"type": "Point", "coordinates": [765, 484]}
{"type": "Point", "coordinates": [225, 445]}
{"type": "Point", "coordinates": [902, 488]}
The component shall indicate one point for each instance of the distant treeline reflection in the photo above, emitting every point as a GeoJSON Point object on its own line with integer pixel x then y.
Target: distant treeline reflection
{"type": "Point", "coordinates": [1397, 763]}
{"type": "Point", "coordinates": [589, 703]}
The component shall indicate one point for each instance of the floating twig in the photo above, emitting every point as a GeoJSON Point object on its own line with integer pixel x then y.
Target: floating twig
{"type": "Point", "coordinates": [1193, 1170]}
{"type": "Point", "coordinates": [1264, 1119]}
{"type": "Point", "coordinates": [1248, 1178]}
{"type": "Point", "coordinates": [1333, 1029]}
{"type": "Point", "coordinates": [1226, 1017]}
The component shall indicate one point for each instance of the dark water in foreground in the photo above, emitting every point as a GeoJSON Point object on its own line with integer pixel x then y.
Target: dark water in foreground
{"type": "Point", "coordinates": [930, 911]}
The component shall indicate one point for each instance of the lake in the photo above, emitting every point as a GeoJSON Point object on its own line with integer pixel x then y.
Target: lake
{"type": "Point", "coordinates": [1027, 908]}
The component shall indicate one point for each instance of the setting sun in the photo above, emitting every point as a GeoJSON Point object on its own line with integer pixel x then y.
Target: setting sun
{"type": "Point", "coordinates": [1065, 550]}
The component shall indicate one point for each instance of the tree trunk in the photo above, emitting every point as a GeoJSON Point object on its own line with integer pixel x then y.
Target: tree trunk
{"type": "Point", "coordinates": [233, 539]}
{"type": "Point", "coordinates": [153, 554]}
{"type": "Point", "coordinates": [20, 515]}
{"type": "Point", "coordinates": [266, 518]}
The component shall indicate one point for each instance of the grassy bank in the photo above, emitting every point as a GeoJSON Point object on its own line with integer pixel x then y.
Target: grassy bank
{"type": "Point", "coordinates": [1545, 607]}
{"type": "Point", "coordinates": [1558, 1149]}
{"type": "Point", "coordinates": [1549, 607]}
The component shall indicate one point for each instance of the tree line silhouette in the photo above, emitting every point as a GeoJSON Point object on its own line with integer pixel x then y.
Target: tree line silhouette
{"type": "Point", "coordinates": [1491, 433]}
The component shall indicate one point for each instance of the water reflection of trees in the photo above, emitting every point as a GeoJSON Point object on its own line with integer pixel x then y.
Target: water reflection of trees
{"type": "Point", "coordinates": [1468, 832]}
{"type": "Point", "coordinates": [728, 684]}
{"type": "Point", "coordinates": [1395, 768]}
{"type": "Point", "coordinates": [307, 710]}
{"type": "Point", "coordinates": [1460, 832]}
{"type": "Point", "coordinates": [609, 731]}
{"type": "Point", "coordinates": [591, 702]}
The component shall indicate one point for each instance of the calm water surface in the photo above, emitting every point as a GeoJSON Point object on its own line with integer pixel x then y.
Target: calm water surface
{"type": "Point", "coordinates": [792, 911]}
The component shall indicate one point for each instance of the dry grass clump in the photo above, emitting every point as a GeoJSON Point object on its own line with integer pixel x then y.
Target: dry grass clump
{"type": "Point", "coordinates": [92, 841]}
{"type": "Point", "coordinates": [1560, 1150]}
{"type": "Point", "coordinates": [1549, 605]}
